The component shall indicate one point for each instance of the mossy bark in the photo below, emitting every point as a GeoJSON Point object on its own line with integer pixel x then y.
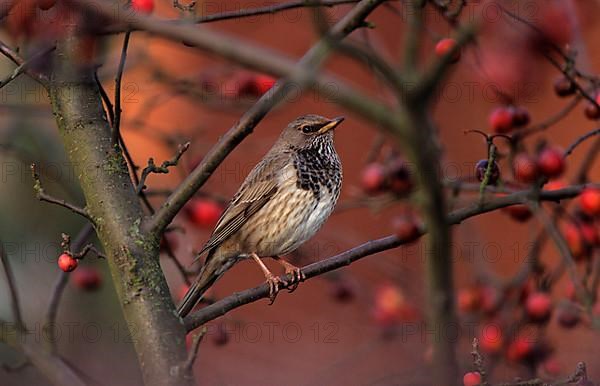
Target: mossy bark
{"type": "Point", "coordinates": [156, 330]}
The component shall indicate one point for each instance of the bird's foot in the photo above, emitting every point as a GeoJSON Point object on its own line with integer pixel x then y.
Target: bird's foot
{"type": "Point", "coordinates": [274, 282]}
{"type": "Point", "coordinates": [295, 273]}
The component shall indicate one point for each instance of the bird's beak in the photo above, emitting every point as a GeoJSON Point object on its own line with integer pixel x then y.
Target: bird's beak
{"type": "Point", "coordinates": [332, 124]}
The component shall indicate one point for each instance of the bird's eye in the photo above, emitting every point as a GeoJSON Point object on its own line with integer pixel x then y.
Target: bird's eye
{"type": "Point", "coordinates": [308, 129]}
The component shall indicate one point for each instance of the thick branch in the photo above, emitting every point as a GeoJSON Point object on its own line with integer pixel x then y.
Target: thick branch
{"type": "Point", "coordinates": [113, 203]}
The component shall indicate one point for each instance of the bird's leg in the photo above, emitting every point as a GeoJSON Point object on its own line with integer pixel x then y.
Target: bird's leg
{"type": "Point", "coordinates": [272, 280]}
{"type": "Point", "coordinates": [290, 269]}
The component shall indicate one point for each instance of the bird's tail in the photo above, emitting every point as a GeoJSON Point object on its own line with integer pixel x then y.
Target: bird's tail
{"type": "Point", "coordinates": [206, 278]}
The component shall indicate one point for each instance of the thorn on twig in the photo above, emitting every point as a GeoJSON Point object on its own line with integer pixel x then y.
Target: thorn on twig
{"type": "Point", "coordinates": [163, 168]}
{"type": "Point", "coordinates": [43, 196]}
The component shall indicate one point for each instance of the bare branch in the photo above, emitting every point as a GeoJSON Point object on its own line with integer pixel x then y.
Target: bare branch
{"type": "Point", "coordinates": [116, 133]}
{"type": "Point", "coordinates": [14, 296]}
{"type": "Point", "coordinates": [43, 196]}
{"type": "Point", "coordinates": [59, 287]}
{"type": "Point", "coordinates": [163, 168]}
{"type": "Point", "coordinates": [23, 64]}
{"type": "Point", "coordinates": [193, 353]}
{"type": "Point", "coordinates": [579, 140]}
{"type": "Point", "coordinates": [241, 298]}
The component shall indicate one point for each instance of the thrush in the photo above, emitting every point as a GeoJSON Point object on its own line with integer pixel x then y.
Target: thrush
{"type": "Point", "coordinates": [281, 204]}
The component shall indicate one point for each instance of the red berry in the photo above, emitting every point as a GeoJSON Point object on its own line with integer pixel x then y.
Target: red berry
{"type": "Point", "coordinates": [490, 299]}
{"type": "Point", "coordinates": [551, 162]}
{"type": "Point", "coordinates": [520, 117]}
{"type": "Point", "coordinates": [444, 46]}
{"type": "Point", "coordinates": [525, 168]}
{"type": "Point", "coordinates": [520, 349]}
{"type": "Point", "coordinates": [552, 366]}
{"type": "Point", "coordinates": [468, 299]}
{"type": "Point", "coordinates": [472, 379]}
{"type": "Point", "coordinates": [591, 110]}
{"type": "Point", "coordinates": [45, 5]}
{"type": "Point", "coordinates": [568, 315]}
{"type": "Point", "coordinates": [519, 212]}
{"type": "Point", "coordinates": [87, 278]}
{"type": "Point", "coordinates": [343, 291]}
{"type": "Point", "coordinates": [574, 238]}
{"type": "Point", "coordinates": [554, 26]}
{"type": "Point", "coordinates": [220, 336]}
{"type": "Point", "coordinates": [501, 120]}
{"type": "Point", "coordinates": [400, 179]}
{"type": "Point", "coordinates": [263, 83]}
{"type": "Point", "coordinates": [143, 6]}
{"type": "Point", "coordinates": [589, 200]}
{"type": "Point", "coordinates": [539, 306]}
{"type": "Point", "coordinates": [373, 178]}
{"type": "Point", "coordinates": [589, 234]}
{"type": "Point", "coordinates": [406, 228]}
{"type": "Point", "coordinates": [204, 213]}
{"type": "Point", "coordinates": [66, 262]}
{"type": "Point", "coordinates": [391, 306]}
{"type": "Point", "coordinates": [491, 339]}
{"type": "Point", "coordinates": [564, 87]}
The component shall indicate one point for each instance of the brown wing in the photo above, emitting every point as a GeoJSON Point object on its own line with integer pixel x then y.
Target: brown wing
{"type": "Point", "coordinates": [255, 192]}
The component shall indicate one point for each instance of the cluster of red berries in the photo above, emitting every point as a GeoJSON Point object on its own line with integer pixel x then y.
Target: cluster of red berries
{"type": "Point", "coordinates": [564, 87]}
{"type": "Point", "coordinates": [505, 119]}
{"type": "Point", "coordinates": [395, 177]}
{"type": "Point", "coordinates": [549, 163]}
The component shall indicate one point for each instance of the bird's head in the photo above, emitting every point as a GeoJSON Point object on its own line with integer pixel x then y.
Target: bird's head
{"type": "Point", "coordinates": [309, 129]}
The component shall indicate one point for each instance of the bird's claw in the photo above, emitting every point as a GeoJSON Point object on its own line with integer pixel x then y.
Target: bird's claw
{"type": "Point", "coordinates": [296, 276]}
{"type": "Point", "coordinates": [274, 282]}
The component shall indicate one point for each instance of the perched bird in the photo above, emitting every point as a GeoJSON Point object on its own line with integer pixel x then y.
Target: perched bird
{"type": "Point", "coordinates": [282, 203]}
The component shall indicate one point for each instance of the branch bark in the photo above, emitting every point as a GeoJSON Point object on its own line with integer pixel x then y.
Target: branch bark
{"type": "Point", "coordinates": [238, 299]}
{"type": "Point", "coordinates": [159, 336]}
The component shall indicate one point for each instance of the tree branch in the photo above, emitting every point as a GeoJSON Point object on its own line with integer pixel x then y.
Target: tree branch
{"type": "Point", "coordinates": [43, 196]}
{"type": "Point", "coordinates": [111, 199]}
{"type": "Point", "coordinates": [59, 288]}
{"type": "Point", "coordinates": [238, 299]}
{"type": "Point", "coordinates": [12, 287]}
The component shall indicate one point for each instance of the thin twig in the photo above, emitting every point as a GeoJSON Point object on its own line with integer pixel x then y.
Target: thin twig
{"type": "Point", "coordinates": [579, 140]}
{"type": "Point", "coordinates": [163, 168]}
{"type": "Point", "coordinates": [23, 63]}
{"type": "Point", "coordinates": [554, 119]}
{"type": "Point", "coordinates": [564, 251]}
{"type": "Point", "coordinates": [193, 353]}
{"type": "Point", "coordinates": [116, 133]}
{"type": "Point", "coordinates": [478, 362]}
{"type": "Point", "coordinates": [106, 99]}
{"type": "Point", "coordinates": [43, 196]}
{"type": "Point", "coordinates": [59, 288]}
{"type": "Point", "coordinates": [588, 162]}
{"type": "Point", "coordinates": [14, 296]}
